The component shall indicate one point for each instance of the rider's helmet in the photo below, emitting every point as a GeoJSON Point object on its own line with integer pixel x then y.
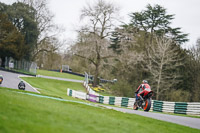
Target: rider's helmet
{"type": "Point", "coordinates": [145, 82]}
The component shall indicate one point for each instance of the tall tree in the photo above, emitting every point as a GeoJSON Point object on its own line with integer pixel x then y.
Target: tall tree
{"type": "Point", "coordinates": [47, 29]}
{"type": "Point", "coordinates": [155, 20]}
{"type": "Point", "coordinates": [194, 71]}
{"type": "Point", "coordinates": [22, 17]}
{"type": "Point", "coordinates": [11, 40]}
{"type": "Point", "coordinates": [95, 47]}
{"type": "Point", "coordinates": [50, 58]}
{"type": "Point", "coordinates": [165, 62]}
{"type": "Point", "coordinates": [138, 39]}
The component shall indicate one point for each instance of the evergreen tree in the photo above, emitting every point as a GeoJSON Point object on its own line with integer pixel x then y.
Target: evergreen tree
{"type": "Point", "coordinates": [22, 16]}
{"type": "Point", "coordinates": [155, 20]}
{"type": "Point", "coordinates": [11, 40]}
{"type": "Point", "coordinates": [115, 42]}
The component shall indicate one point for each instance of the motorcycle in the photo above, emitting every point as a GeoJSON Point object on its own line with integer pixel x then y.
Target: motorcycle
{"type": "Point", "coordinates": [21, 85]}
{"type": "Point", "coordinates": [144, 101]}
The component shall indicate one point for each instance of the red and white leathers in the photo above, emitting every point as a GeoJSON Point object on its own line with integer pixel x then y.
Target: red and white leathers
{"type": "Point", "coordinates": [141, 88]}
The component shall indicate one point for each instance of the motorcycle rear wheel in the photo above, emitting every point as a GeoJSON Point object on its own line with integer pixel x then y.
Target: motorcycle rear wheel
{"type": "Point", "coordinates": [147, 105]}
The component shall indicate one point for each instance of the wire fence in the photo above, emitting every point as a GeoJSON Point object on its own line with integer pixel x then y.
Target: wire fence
{"type": "Point", "coordinates": [21, 66]}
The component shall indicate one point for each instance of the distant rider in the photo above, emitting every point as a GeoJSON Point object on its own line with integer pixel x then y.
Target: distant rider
{"type": "Point", "coordinates": [21, 85]}
{"type": "Point", "coordinates": [140, 90]}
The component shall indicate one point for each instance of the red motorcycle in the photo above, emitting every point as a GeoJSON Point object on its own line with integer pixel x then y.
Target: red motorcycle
{"type": "Point", "coordinates": [144, 101]}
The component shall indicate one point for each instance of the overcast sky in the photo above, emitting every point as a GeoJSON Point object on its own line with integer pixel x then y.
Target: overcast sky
{"type": "Point", "coordinates": [187, 13]}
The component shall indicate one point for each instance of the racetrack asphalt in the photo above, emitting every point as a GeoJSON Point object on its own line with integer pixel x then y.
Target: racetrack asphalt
{"type": "Point", "coordinates": [11, 80]}
{"type": "Point", "coordinates": [64, 79]}
{"type": "Point", "coordinates": [181, 120]}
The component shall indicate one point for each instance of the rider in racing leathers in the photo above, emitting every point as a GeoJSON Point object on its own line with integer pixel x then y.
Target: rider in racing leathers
{"type": "Point", "coordinates": [140, 90]}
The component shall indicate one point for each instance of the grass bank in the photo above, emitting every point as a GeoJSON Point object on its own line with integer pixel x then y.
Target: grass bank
{"type": "Point", "coordinates": [25, 113]}
{"type": "Point", "coordinates": [53, 87]}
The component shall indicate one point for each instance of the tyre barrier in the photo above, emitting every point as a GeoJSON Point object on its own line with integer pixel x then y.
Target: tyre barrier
{"type": "Point", "coordinates": [77, 94]}
{"type": "Point", "coordinates": [117, 101]}
{"type": "Point", "coordinates": [92, 98]}
{"type": "Point", "coordinates": [157, 106]}
{"type": "Point", "coordinates": [124, 102]}
{"type": "Point", "coordinates": [188, 108]}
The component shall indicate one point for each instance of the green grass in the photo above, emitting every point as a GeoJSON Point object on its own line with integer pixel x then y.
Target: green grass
{"type": "Point", "coordinates": [53, 87]}
{"type": "Point", "coordinates": [22, 113]}
{"type": "Point", "coordinates": [58, 74]}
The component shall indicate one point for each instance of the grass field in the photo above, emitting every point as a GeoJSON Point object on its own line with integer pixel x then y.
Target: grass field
{"type": "Point", "coordinates": [22, 113]}
{"type": "Point", "coordinates": [53, 87]}
{"type": "Point", "coordinates": [58, 74]}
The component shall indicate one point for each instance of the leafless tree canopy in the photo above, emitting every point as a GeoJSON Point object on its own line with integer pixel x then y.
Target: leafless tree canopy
{"type": "Point", "coordinates": [164, 59]}
{"type": "Point", "coordinates": [101, 16]}
{"type": "Point", "coordinates": [93, 44]}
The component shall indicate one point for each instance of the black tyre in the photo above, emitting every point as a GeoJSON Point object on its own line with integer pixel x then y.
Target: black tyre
{"type": "Point", "coordinates": [147, 105]}
{"type": "Point", "coordinates": [1, 79]}
{"type": "Point", "coordinates": [135, 106]}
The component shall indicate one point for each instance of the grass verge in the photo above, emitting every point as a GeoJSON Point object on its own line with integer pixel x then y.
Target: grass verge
{"type": "Point", "coordinates": [58, 74]}
{"type": "Point", "coordinates": [53, 87]}
{"type": "Point", "coordinates": [24, 113]}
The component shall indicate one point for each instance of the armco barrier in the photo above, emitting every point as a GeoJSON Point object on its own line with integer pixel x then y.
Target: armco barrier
{"type": "Point", "coordinates": [190, 108]}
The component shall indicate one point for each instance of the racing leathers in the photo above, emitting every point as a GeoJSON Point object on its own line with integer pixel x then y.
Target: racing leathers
{"type": "Point", "coordinates": [140, 90]}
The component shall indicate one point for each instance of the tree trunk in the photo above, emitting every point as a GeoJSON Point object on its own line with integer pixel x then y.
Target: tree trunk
{"type": "Point", "coordinates": [157, 93]}
{"type": "Point", "coordinates": [96, 81]}
{"type": "Point", "coordinates": [159, 78]}
{"type": "Point", "coordinates": [3, 59]}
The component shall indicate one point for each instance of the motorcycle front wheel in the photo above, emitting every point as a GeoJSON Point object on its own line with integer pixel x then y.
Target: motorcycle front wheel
{"type": "Point", "coordinates": [135, 106]}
